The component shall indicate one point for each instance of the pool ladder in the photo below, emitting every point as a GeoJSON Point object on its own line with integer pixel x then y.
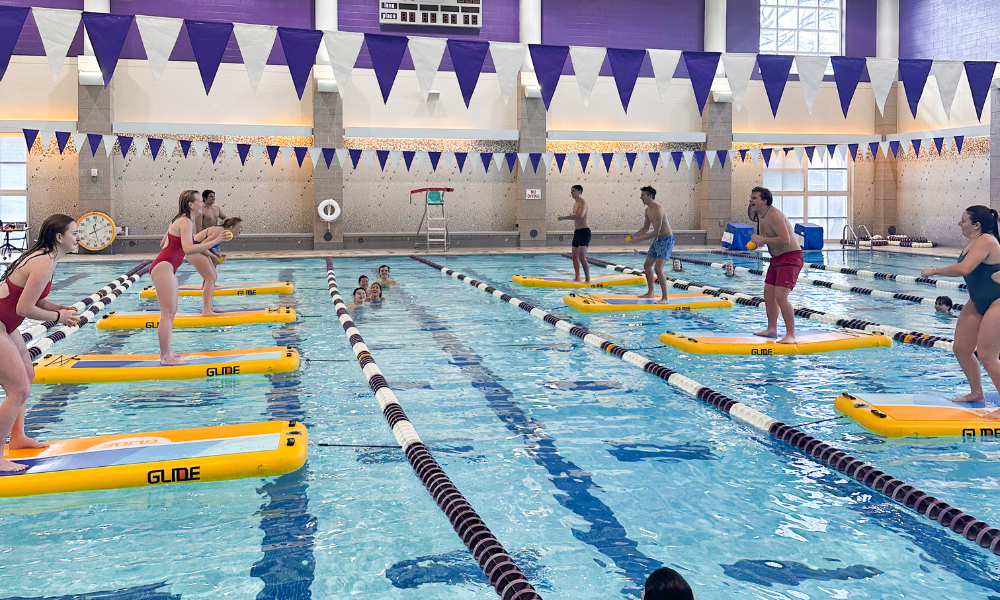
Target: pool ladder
{"type": "Point", "coordinates": [850, 237]}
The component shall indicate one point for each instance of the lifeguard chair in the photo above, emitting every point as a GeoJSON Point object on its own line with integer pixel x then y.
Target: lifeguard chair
{"type": "Point", "coordinates": [437, 224]}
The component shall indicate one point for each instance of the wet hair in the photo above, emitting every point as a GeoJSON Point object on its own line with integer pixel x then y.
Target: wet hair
{"type": "Point", "coordinates": [363, 277]}
{"type": "Point", "coordinates": [386, 267]}
{"type": "Point", "coordinates": [355, 292]}
{"type": "Point", "coordinates": [374, 283]}
{"type": "Point", "coordinates": [184, 204]}
{"type": "Point", "coordinates": [986, 217]}
{"type": "Point", "coordinates": [649, 190]}
{"type": "Point", "coordinates": [667, 584]}
{"type": "Point", "coordinates": [46, 242]}
{"type": "Point", "coordinates": [578, 188]}
{"type": "Point", "coordinates": [944, 300]}
{"type": "Point", "coordinates": [206, 194]}
{"type": "Point", "coordinates": [765, 194]}
{"type": "Point", "coordinates": [231, 222]}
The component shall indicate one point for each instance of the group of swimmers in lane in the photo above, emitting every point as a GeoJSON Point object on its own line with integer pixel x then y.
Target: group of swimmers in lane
{"type": "Point", "coordinates": [366, 294]}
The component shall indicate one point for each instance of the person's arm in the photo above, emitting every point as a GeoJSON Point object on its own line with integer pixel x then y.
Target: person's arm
{"type": "Point", "coordinates": [638, 235]}
{"type": "Point", "coordinates": [778, 226]}
{"type": "Point", "coordinates": [648, 224]}
{"type": "Point", "coordinates": [222, 216]}
{"type": "Point", "coordinates": [978, 252]}
{"type": "Point", "coordinates": [28, 305]}
{"type": "Point", "coordinates": [187, 239]}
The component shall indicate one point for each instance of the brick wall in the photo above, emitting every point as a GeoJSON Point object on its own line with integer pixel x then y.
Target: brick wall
{"type": "Point", "coordinates": [944, 29]}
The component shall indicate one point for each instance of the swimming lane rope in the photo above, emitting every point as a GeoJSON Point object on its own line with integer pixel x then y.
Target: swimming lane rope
{"type": "Point", "coordinates": [820, 283]}
{"type": "Point", "coordinates": [900, 335]}
{"type": "Point", "coordinates": [898, 491]}
{"type": "Point", "coordinates": [40, 328]}
{"type": "Point", "coordinates": [860, 272]}
{"type": "Point", "coordinates": [496, 563]}
{"type": "Point", "coordinates": [85, 317]}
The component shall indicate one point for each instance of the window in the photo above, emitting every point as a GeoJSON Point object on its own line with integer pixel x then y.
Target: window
{"type": "Point", "coordinates": [801, 27]}
{"type": "Point", "coordinates": [13, 180]}
{"type": "Point", "coordinates": [810, 192]}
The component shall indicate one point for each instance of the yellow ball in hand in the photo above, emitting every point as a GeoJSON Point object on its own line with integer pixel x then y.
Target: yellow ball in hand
{"type": "Point", "coordinates": [227, 235]}
{"type": "Point", "coordinates": [751, 246]}
{"type": "Point", "coordinates": [628, 239]}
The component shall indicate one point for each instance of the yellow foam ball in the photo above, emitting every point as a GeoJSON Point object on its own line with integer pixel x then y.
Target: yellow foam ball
{"type": "Point", "coordinates": [222, 258]}
{"type": "Point", "coordinates": [227, 235]}
{"type": "Point", "coordinates": [628, 238]}
{"type": "Point", "coordinates": [751, 246]}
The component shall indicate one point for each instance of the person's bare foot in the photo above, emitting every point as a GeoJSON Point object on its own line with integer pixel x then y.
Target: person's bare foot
{"type": "Point", "coordinates": [663, 300]}
{"type": "Point", "coordinates": [8, 466]}
{"type": "Point", "coordinates": [578, 280]}
{"type": "Point", "coordinates": [173, 360]}
{"type": "Point", "coordinates": [993, 414]}
{"type": "Point", "coordinates": [25, 443]}
{"type": "Point", "coordinates": [971, 397]}
{"type": "Point", "coordinates": [768, 333]}
{"type": "Point", "coordinates": [647, 295]}
{"type": "Point", "coordinates": [788, 339]}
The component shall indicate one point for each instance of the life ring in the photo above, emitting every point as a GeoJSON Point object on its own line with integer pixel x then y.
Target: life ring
{"type": "Point", "coordinates": [326, 216]}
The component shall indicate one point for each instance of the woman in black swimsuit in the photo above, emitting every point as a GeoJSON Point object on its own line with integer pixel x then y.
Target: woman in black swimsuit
{"type": "Point", "coordinates": [978, 328]}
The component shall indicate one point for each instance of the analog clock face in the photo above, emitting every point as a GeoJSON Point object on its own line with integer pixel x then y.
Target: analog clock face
{"type": "Point", "coordinates": [96, 231]}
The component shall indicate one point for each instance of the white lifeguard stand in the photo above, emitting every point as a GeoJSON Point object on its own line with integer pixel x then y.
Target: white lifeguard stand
{"type": "Point", "coordinates": [437, 224]}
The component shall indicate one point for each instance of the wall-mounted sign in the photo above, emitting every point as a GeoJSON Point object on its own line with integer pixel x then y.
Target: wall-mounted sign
{"type": "Point", "coordinates": [532, 194]}
{"type": "Point", "coordinates": [448, 13]}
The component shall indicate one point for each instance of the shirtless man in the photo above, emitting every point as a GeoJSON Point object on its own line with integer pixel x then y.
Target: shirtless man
{"type": "Point", "coordinates": [663, 242]}
{"type": "Point", "coordinates": [581, 233]}
{"type": "Point", "coordinates": [212, 215]}
{"type": "Point", "coordinates": [383, 276]}
{"type": "Point", "coordinates": [786, 262]}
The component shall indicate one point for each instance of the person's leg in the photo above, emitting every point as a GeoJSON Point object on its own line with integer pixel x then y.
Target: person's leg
{"type": "Point", "coordinates": [787, 313]}
{"type": "Point", "coordinates": [18, 438]}
{"type": "Point", "coordinates": [16, 386]}
{"type": "Point", "coordinates": [658, 265]}
{"type": "Point", "coordinates": [647, 267]}
{"type": "Point", "coordinates": [771, 307]}
{"type": "Point", "coordinates": [966, 338]}
{"type": "Point", "coordinates": [207, 271]}
{"type": "Point", "coordinates": [576, 263]}
{"type": "Point", "coordinates": [989, 346]}
{"type": "Point", "coordinates": [165, 282]}
{"type": "Point", "coordinates": [584, 263]}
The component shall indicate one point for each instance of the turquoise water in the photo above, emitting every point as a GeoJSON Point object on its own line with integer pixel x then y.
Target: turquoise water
{"type": "Point", "coordinates": [590, 472]}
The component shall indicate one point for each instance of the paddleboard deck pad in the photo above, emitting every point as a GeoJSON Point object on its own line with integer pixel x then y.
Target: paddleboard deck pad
{"type": "Point", "coordinates": [158, 458]}
{"type": "Point", "coordinates": [810, 341]}
{"type": "Point", "coordinates": [96, 368]}
{"type": "Point", "coordinates": [151, 320]}
{"type": "Point", "coordinates": [921, 415]}
{"type": "Point", "coordinates": [244, 289]}
{"type": "Point", "coordinates": [622, 302]}
{"type": "Point", "coordinates": [565, 282]}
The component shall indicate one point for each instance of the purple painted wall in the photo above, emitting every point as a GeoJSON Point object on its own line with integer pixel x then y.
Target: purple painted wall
{"type": "Point", "coordinates": [743, 26]}
{"type": "Point", "coordinates": [860, 27]}
{"type": "Point", "coordinates": [30, 43]}
{"type": "Point", "coordinates": [966, 30]}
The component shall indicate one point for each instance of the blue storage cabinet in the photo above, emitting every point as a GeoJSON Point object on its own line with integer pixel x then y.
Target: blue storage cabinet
{"type": "Point", "coordinates": [810, 236]}
{"type": "Point", "coordinates": [737, 236]}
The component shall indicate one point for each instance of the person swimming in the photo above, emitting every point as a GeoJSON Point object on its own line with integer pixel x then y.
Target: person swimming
{"type": "Point", "coordinates": [360, 296]}
{"type": "Point", "coordinates": [383, 274]}
{"type": "Point", "coordinates": [375, 293]}
{"type": "Point", "coordinates": [943, 304]}
{"type": "Point", "coordinates": [666, 584]}
{"type": "Point", "coordinates": [729, 269]}
{"type": "Point", "coordinates": [677, 266]}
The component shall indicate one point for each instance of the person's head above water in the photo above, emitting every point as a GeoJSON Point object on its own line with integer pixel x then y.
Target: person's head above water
{"type": "Point", "coordinates": [979, 219]}
{"type": "Point", "coordinates": [943, 304]}
{"type": "Point", "coordinates": [375, 292]}
{"type": "Point", "coordinates": [666, 584]}
{"type": "Point", "coordinates": [363, 281]}
{"type": "Point", "coordinates": [647, 194]}
{"type": "Point", "coordinates": [729, 269]}
{"type": "Point", "coordinates": [360, 295]}
{"type": "Point", "coordinates": [383, 271]}
{"type": "Point", "coordinates": [677, 265]}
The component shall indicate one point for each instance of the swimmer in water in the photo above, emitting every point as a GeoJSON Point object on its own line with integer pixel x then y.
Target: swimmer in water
{"type": "Point", "coordinates": [363, 282]}
{"type": "Point", "coordinates": [943, 304]}
{"type": "Point", "coordinates": [375, 293]}
{"type": "Point", "coordinates": [360, 295]}
{"type": "Point", "coordinates": [383, 274]}
{"type": "Point", "coordinates": [677, 266]}
{"type": "Point", "coordinates": [730, 270]}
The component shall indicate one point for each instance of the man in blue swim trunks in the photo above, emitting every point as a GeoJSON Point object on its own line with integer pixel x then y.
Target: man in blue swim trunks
{"type": "Point", "coordinates": [663, 242]}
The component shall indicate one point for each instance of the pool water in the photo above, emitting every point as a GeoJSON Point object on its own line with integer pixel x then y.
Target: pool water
{"type": "Point", "coordinates": [589, 471]}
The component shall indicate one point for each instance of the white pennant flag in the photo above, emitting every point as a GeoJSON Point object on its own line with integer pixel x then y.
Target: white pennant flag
{"type": "Point", "coordinates": [688, 155]}
{"type": "Point", "coordinates": [587, 62]}
{"type": "Point", "coordinates": [341, 154]}
{"type": "Point", "coordinates": [343, 47]}
{"type": "Point", "coordinates": [948, 73]}
{"type": "Point", "coordinates": [447, 160]}
{"type": "Point", "coordinates": [754, 155]}
{"type": "Point", "coordinates": [79, 139]}
{"type": "Point", "coordinates": [256, 42]}
{"type": "Point", "coordinates": [739, 68]}
{"type": "Point", "coordinates": [842, 151]}
{"type": "Point", "coordinates": [618, 157]}
{"type": "Point", "coordinates": [168, 147]}
{"type": "Point", "coordinates": [314, 155]}
{"type": "Point", "coordinates": [229, 149]}
{"type": "Point", "coordinates": [642, 158]}
{"type": "Point", "coordinates": [811, 70]}
{"type": "Point", "coordinates": [57, 27]}
{"type": "Point", "coordinates": [664, 64]}
{"type": "Point", "coordinates": [198, 149]}
{"type": "Point", "coordinates": [799, 152]}
{"type": "Point", "coordinates": [45, 137]}
{"type": "Point", "coordinates": [571, 158]}
{"type": "Point", "coordinates": [426, 54]}
{"type": "Point", "coordinates": [882, 72]}
{"type": "Point", "coordinates": [595, 159]}
{"type": "Point", "coordinates": [926, 144]}
{"type": "Point", "coordinates": [288, 155]}
{"type": "Point", "coordinates": [368, 156]}
{"type": "Point", "coordinates": [904, 147]}
{"type": "Point", "coordinates": [546, 162]}
{"type": "Point", "coordinates": [109, 143]}
{"type": "Point", "coordinates": [256, 150]}
{"type": "Point", "coordinates": [710, 155]}
{"type": "Point", "coordinates": [821, 152]}
{"type": "Point", "coordinates": [159, 34]}
{"type": "Point", "coordinates": [507, 60]}
{"type": "Point", "coordinates": [884, 147]}
{"type": "Point", "coordinates": [732, 156]}
{"type": "Point", "coordinates": [139, 143]}
{"type": "Point", "coordinates": [394, 156]}
{"type": "Point", "coordinates": [522, 157]}
{"type": "Point", "coordinates": [421, 158]}
{"type": "Point", "coordinates": [498, 158]}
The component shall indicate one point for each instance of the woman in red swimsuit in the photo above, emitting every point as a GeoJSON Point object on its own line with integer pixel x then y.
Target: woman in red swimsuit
{"type": "Point", "coordinates": [23, 288]}
{"type": "Point", "coordinates": [179, 243]}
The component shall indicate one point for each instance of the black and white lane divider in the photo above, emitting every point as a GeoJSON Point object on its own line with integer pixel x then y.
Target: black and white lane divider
{"type": "Point", "coordinates": [38, 348]}
{"type": "Point", "coordinates": [954, 285]}
{"type": "Point", "coordinates": [496, 563]}
{"type": "Point", "coordinates": [900, 335]}
{"type": "Point", "coordinates": [898, 491]}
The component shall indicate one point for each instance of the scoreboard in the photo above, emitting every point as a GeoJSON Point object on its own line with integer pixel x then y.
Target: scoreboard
{"type": "Point", "coordinates": [447, 13]}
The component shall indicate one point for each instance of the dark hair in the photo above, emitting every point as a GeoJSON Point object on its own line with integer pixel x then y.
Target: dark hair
{"type": "Point", "coordinates": [374, 283]}
{"type": "Point", "coordinates": [578, 188]}
{"type": "Point", "coordinates": [363, 277]}
{"type": "Point", "coordinates": [184, 204]}
{"type": "Point", "coordinates": [386, 267]}
{"type": "Point", "coordinates": [986, 217]}
{"type": "Point", "coordinates": [355, 292]}
{"type": "Point", "coordinates": [667, 584]}
{"type": "Point", "coordinates": [649, 190]}
{"type": "Point", "coordinates": [206, 193]}
{"type": "Point", "coordinates": [765, 194]}
{"type": "Point", "coordinates": [46, 242]}
{"type": "Point", "coordinates": [944, 300]}
{"type": "Point", "coordinates": [231, 222]}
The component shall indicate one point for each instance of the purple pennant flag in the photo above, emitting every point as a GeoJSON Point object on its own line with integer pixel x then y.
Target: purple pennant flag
{"type": "Point", "coordinates": [30, 135]}
{"type": "Point", "coordinates": [467, 57]}
{"type": "Point", "coordinates": [787, 150]}
{"type": "Point", "coordinates": [607, 157]}
{"type": "Point", "coordinates": [913, 73]}
{"type": "Point", "coordinates": [894, 146]}
{"type": "Point", "coordinates": [560, 160]}
{"type": "Point", "coordinates": [107, 36]}
{"type": "Point", "coordinates": [214, 148]}
{"type": "Point", "coordinates": [774, 69]}
{"type": "Point", "coordinates": [584, 161]}
{"type": "Point", "coordinates": [383, 156]}
{"type": "Point", "coordinates": [980, 74]}
{"type": "Point", "coordinates": [124, 143]}
{"type": "Point", "coordinates": [328, 154]}
{"type": "Point", "coordinates": [852, 149]}
{"type": "Point", "coordinates": [154, 146]}
{"type": "Point", "coordinates": [386, 52]}
{"type": "Point", "coordinates": [699, 156]}
{"type": "Point", "coordinates": [625, 65]}
{"type": "Point", "coordinates": [939, 143]}
{"type": "Point", "coordinates": [654, 158]}
{"type": "Point", "coordinates": [300, 154]}
{"type": "Point", "coordinates": [722, 155]}
{"type": "Point", "coordinates": [873, 148]}
{"type": "Point", "coordinates": [94, 139]}
{"type": "Point", "coordinates": [916, 147]}
{"type": "Point", "coordinates": [435, 159]}
{"type": "Point", "coordinates": [535, 157]}
{"type": "Point", "coordinates": [300, 46]}
{"type": "Point", "coordinates": [701, 68]}
{"type": "Point", "coordinates": [272, 153]}
{"type": "Point", "coordinates": [355, 157]}
{"type": "Point", "coordinates": [630, 157]}
{"type": "Point", "coordinates": [408, 158]}
{"type": "Point", "coordinates": [958, 142]}
{"type": "Point", "coordinates": [831, 149]}
{"type": "Point", "coordinates": [847, 73]}
{"type": "Point", "coordinates": [11, 22]}
{"type": "Point", "coordinates": [678, 157]}
{"type": "Point", "coordinates": [186, 147]}
{"type": "Point", "coordinates": [460, 158]}
{"type": "Point", "coordinates": [61, 138]}
{"type": "Point", "coordinates": [810, 150]}
{"type": "Point", "coordinates": [766, 153]}
{"type": "Point", "coordinates": [549, 62]}
{"type": "Point", "coordinates": [511, 158]}
{"type": "Point", "coordinates": [208, 42]}
{"type": "Point", "coordinates": [486, 157]}
{"type": "Point", "coordinates": [743, 155]}
{"type": "Point", "coordinates": [243, 150]}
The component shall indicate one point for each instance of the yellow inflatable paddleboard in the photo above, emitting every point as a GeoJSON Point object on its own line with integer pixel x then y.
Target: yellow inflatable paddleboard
{"type": "Point", "coordinates": [616, 303]}
{"type": "Point", "coordinates": [810, 341]}
{"type": "Point", "coordinates": [565, 282]}
{"type": "Point", "coordinates": [95, 368]}
{"type": "Point", "coordinates": [920, 415]}
{"type": "Point", "coordinates": [151, 320]}
{"type": "Point", "coordinates": [246, 289]}
{"type": "Point", "coordinates": [157, 458]}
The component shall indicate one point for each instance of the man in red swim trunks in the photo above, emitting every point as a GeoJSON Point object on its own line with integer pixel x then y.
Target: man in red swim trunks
{"type": "Point", "coordinates": [786, 262]}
